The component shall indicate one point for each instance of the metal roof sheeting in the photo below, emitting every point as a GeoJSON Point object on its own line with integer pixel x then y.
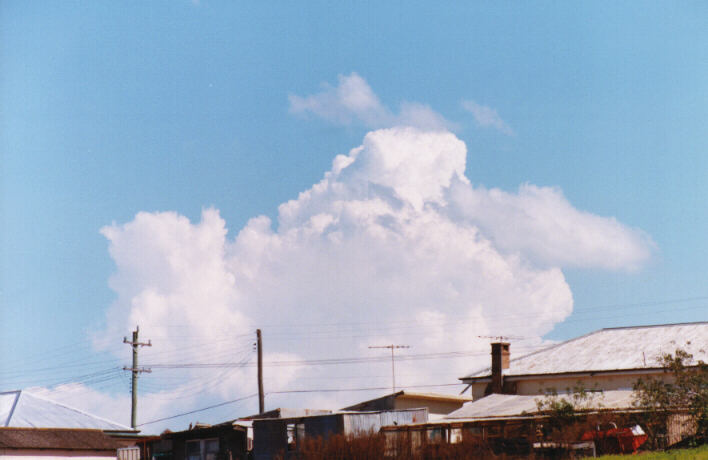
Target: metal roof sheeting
{"type": "Point", "coordinates": [19, 409]}
{"type": "Point", "coordinates": [56, 438]}
{"type": "Point", "coordinates": [499, 405]}
{"type": "Point", "coordinates": [611, 349]}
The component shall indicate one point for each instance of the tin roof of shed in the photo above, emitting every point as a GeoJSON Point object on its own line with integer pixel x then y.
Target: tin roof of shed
{"type": "Point", "coordinates": [405, 394]}
{"type": "Point", "coordinates": [621, 348]}
{"type": "Point", "coordinates": [501, 406]}
{"type": "Point", "coordinates": [20, 409]}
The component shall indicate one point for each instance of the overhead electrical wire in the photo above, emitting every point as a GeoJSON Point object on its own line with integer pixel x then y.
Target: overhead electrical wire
{"type": "Point", "coordinates": [339, 390]}
{"type": "Point", "coordinates": [211, 383]}
{"type": "Point", "coordinates": [325, 362]}
{"type": "Point", "coordinates": [322, 390]}
{"type": "Point", "coordinates": [48, 375]}
{"type": "Point", "coordinates": [198, 410]}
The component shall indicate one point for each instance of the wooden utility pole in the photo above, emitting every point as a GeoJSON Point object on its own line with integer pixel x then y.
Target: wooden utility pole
{"type": "Point", "coordinates": [135, 371]}
{"type": "Point", "coordinates": [393, 365]}
{"type": "Point", "coordinates": [261, 395]}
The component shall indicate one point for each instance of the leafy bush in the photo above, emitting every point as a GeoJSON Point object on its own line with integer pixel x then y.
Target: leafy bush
{"type": "Point", "coordinates": [572, 413]}
{"type": "Point", "coordinates": [685, 390]}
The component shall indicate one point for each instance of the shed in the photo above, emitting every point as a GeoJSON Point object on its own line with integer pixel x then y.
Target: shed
{"type": "Point", "coordinates": [438, 404]}
{"type": "Point", "coordinates": [225, 440]}
{"type": "Point", "coordinates": [277, 436]}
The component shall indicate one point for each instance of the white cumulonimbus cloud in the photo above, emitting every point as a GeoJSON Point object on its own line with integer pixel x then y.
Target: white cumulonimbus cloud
{"type": "Point", "coordinates": [393, 245]}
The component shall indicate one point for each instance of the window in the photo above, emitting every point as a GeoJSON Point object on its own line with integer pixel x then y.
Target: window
{"type": "Point", "coordinates": [455, 435]}
{"type": "Point", "coordinates": [435, 435]}
{"type": "Point", "coordinates": [194, 451]}
{"type": "Point", "coordinates": [202, 449]}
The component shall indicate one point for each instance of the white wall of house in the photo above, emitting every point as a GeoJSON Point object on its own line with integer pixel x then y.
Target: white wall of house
{"type": "Point", "coordinates": [434, 406]}
{"type": "Point", "coordinates": [539, 385]}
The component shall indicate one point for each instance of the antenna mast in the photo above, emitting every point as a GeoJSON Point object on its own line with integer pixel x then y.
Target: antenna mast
{"type": "Point", "coordinates": [393, 365]}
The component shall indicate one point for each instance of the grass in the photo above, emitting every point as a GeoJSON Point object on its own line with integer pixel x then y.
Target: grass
{"type": "Point", "coordinates": [699, 453]}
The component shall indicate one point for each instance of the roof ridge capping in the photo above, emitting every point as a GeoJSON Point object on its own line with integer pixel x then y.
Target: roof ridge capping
{"type": "Point", "coordinates": [690, 323]}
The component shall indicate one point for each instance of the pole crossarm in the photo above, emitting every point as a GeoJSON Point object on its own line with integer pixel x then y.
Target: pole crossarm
{"type": "Point", "coordinates": [138, 369]}
{"type": "Point", "coordinates": [137, 344]}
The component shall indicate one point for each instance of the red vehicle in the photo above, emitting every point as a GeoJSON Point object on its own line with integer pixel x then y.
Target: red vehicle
{"type": "Point", "coordinates": [616, 440]}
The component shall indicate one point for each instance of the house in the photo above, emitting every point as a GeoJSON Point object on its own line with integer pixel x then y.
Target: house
{"type": "Point", "coordinates": [608, 359]}
{"type": "Point", "coordinates": [515, 425]}
{"type": "Point", "coordinates": [280, 412]}
{"type": "Point", "coordinates": [26, 418]}
{"type": "Point", "coordinates": [226, 440]}
{"type": "Point", "coordinates": [55, 443]}
{"type": "Point", "coordinates": [504, 411]}
{"type": "Point", "coordinates": [231, 440]}
{"type": "Point", "coordinates": [438, 405]}
{"type": "Point", "coordinates": [284, 412]}
{"type": "Point", "coordinates": [607, 362]}
{"type": "Point", "coordinates": [277, 436]}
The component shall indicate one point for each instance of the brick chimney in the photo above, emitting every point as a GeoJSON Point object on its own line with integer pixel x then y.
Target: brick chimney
{"type": "Point", "coordinates": [500, 361]}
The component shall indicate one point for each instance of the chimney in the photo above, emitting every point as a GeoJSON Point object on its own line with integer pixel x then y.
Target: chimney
{"type": "Point", "coordinates": [500, 361]}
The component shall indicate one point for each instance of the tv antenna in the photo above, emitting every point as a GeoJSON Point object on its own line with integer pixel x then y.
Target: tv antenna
{"type": "Point", "coordinates": [393, 365]}
{"type": "Point", "coordinates": [501, 337]}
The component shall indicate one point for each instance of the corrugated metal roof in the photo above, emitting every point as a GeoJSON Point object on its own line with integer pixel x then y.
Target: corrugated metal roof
{"type": "Point", "coordinates": [435, 397]}
{"type": "Point", "coordinates": [284, 412]}
{"type": "Point", "coordinates": [499, 405]}
{"type": "Point", "coordinates": [56, 438]}
{"type": "Point", "coordinates": [19, 409]}
{"type": "Point", "coordinates": [611, 349]}
{"type": "Point", "coordinates": [381, 401]}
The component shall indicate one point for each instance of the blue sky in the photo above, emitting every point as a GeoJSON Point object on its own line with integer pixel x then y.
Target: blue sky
{"type": "Point", "coordinates": [109, 109]}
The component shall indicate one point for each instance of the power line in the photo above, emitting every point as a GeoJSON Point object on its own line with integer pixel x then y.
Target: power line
{"type": "Point", "coordinates": [66, 380]}
{"type": "Point", "coordinates": [321, 390]}
{"type": "Point", "coordinates": [43, 356]}
{"type": "Point", "coordinates": [337, 390]}
{"type": "Point", "coordinates": [199, 410]}
{"type": "Point", "coordinates": [210, 383]}
{"type": "Point", "coordinates": [329, 361]}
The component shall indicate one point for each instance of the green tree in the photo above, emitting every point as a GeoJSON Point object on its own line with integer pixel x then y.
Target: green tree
{"type": "Point", "coordinates": [563, 411]}
{"type": "Point", "coordinates": [686, 390]}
